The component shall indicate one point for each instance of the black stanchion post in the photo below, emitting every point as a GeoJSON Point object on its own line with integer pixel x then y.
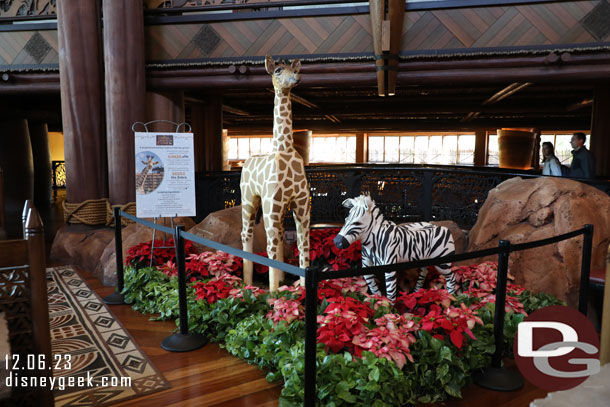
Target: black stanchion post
{"type": "Point", "coordinates": [496, 377]}
{"type": "Point", "coordinates": [585, 269]}
{"type": "Point", "coordinates": [117, 297]}
{"type": "Point", "coordinates": [182, 341]}
{"type": "Point", "coordinates": [311, 316]}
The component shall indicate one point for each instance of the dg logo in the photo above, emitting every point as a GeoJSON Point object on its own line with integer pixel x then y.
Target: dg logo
{"type": "Point", "coordinates": [556, 348]}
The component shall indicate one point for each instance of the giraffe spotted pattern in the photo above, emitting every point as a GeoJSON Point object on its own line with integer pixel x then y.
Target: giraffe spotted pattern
{"type": "Point", "coordinates": [277, 181]}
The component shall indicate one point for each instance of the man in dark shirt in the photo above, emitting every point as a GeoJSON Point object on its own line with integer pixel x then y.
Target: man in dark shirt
{"type": "Point", "coordinates": [583, 165]}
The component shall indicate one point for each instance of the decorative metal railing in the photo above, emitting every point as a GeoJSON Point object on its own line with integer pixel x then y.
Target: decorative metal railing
{"type": "Point", "coordinates": [405, 193]}
{"type": "Point", "coordinates": [59, 174]}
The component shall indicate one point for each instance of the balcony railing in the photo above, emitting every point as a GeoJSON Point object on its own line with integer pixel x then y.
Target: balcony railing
{"type": "Point", "coordinates": [405, 193]}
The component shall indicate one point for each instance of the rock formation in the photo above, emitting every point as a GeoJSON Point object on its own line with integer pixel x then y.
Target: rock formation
{"type": "Point", "coordinates": [526, 210]}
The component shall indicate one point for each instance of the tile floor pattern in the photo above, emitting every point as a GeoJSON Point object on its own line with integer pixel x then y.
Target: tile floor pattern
{"type": "Point", "coordinates": [83, 327]}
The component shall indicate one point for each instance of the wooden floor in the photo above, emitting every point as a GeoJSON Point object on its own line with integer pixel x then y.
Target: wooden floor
{"type": "Point", "coordinates": [212, 377]}
{"type": "Point", "coordinates": [206, 377]}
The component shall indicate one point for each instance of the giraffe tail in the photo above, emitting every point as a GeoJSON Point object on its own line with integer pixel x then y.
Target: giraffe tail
{"type": "Point", "coordinates": [259, 215]}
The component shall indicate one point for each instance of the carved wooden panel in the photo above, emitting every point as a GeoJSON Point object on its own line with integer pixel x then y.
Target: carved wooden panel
{"type": "Point", "coordinates": [479, 29]}
{"type": "Point", "coordinates": [22, 8]}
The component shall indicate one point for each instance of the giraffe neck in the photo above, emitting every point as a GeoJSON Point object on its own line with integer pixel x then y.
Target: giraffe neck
{"type": "Point", "coordinates": [282, 122]}
{"type": "Point", "coordinates": [144, 175]}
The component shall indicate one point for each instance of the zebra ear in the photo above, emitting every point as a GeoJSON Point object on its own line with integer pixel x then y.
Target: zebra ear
{"type": "Point", "coordinates": [368, 202]}
{"type": "Point", "coordinates": [348, 203]}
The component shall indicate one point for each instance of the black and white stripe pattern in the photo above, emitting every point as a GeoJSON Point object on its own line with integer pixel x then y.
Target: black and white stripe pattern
{"type": "Point", "coordinates": [384, 242]}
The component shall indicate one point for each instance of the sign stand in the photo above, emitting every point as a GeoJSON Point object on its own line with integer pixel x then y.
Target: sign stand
{"type": "Point", "coordinates": [187, 129]}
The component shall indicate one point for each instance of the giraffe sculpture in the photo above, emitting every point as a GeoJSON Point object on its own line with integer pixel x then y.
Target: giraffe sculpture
{"type": "Point", "coordinates": [277, 181]}
{"type": "Point", "coordinates": [149, 164]}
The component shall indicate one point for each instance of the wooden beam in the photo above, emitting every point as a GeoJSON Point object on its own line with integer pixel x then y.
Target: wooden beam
{"type": "Point", "coordinates": [498, 96]}
{"type": "Point", "coordinates": [234, 110]}
{"type": "Point", "coordinates": [579, 105]}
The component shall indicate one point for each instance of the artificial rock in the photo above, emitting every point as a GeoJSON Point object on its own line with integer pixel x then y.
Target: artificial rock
{"type": "Point", "coordinates": [521, 211]}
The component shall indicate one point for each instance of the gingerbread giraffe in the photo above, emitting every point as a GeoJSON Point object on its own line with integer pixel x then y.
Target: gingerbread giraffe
{"type": "Point", "coordinates": [277, 181]}
{"type": "Point", "coordinates": [149, 164]}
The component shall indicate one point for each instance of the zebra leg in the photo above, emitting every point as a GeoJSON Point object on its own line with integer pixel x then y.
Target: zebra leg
{"type": "Point", "coordinates": [421, 279]}
{"type": "Point", "coordinates": [390, 286]}
{"type": "Point", "coordinates": [370, 278]}
{"type": "Point", "coordinates": [445, 269]}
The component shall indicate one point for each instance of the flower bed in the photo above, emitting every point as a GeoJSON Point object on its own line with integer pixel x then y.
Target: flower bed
{"type": "Point", "coordinates": [423, 349]}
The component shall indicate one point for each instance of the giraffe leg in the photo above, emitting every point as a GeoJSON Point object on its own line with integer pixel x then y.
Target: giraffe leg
{"type": "Point", "coordinates": [274, 251]}
{"type": "Point", "coordinates": [300, 213]}
{"type": "Point", "coordinates": [249, 207]}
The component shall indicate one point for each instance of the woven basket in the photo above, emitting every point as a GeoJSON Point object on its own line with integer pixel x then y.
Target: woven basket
{"type": "Point", "coordinates": [89, 212]}
{"type": "Point", "coordinates": [129, 208]}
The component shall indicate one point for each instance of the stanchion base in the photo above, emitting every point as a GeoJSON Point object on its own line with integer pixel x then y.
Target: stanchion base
{"type": "Point", "coordinates": [116, 298]}
{"type": "Point", "coordinates": [183, 343]}
{"type": "Point", "coordinates": [498, 379]}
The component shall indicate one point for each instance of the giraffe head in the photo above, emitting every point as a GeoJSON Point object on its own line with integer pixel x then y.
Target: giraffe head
{"type": "Point", "coordinates": [285, 75]}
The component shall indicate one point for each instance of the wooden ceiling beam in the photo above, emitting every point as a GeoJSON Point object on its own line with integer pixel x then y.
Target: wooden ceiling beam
{"type": "Point", "coordinates": [579, 105]}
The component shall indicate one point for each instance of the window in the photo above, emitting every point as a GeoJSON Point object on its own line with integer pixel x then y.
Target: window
{"type": "Point", "coordinates": [333, 148]}
{"type": "Point", "coordinates": [561, 142]}
{"type": "Point", "coordinates": [241, 148]}
{"type": "Point", "coordinates": [448, 149]}
{"type": "Point", "coordinates": [327, 148]}
{"type": "Point", "coordinates": [493, 150]}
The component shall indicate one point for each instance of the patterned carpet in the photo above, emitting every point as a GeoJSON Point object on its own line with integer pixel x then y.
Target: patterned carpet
{"type": "Point", "coordinates": [100, 348]}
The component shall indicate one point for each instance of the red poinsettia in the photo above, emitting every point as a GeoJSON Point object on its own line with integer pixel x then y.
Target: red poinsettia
{"type": "Point", "coordinates": [385, 343]}
{"type": "Point", "coordinates": [217, 288]}
{"type": "Point", "coordinates": [239, 291]}
{"type": "Point", "coordinates": [139, 255]}
{"type": "Point", "coordinates": [213, 263]}
{"type": "Point", "coordinates": [420, 302]}
{"type": "Point", "coordinates": [296, 290]}
{"type": "Point", "coordinates": [169, 268]}
{"type": "Point", "coordinates": [453, 322]}
{"type": "Point", "coordinates": [284, 309]}
{"type": "Point", "coordinates": [322, 250]}
{"type": "Point", "coordinates": [343, 318]}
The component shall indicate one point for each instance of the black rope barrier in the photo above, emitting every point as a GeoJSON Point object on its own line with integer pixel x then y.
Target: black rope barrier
{"type": "Point", "coordinates": [289, 268]}
{"type": "Point", "coordinates": [585, 269]}
{"type": "Point", "coordinates": [494, 377]}
{"type": "Point", "coordinates": [152, 225]}
{"type": "Point", "coordinates": [311, 327]}
{"type": "Point", "coordinates": [182, 341]}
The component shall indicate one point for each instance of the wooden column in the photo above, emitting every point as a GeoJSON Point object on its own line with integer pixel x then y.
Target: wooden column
{"type": "Point", "coordinates": [125, 92]}
{"type": "Point", "coordinates": [480, 149]}
{"type": "Point", "coordinates": [165, 106]}
{"type": "Point", "coordinates": [600, 129]}
{"type": "Point", "coordinates": [82, 100]}
{"type": "Point", "coordinates": [18, 167]}
{"type": "Point", "coordinates": [361, 148]}
{"type": "Point", "coordinates": [43, 173]}
{"type": "Point", "coordinates": [207, 129]}
{"type": "Point", "coordinates": [302, 143]}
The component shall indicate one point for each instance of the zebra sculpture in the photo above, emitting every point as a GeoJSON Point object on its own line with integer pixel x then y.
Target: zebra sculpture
{"type": "Point", "coordinates": [384, 242]}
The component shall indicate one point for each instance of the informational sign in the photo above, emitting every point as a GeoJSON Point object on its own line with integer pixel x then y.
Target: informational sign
{"type": "Point", "coordinates": [165, 174]}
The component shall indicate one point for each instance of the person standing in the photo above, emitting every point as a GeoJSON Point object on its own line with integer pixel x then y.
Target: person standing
{"type": "Point", "coordinates": [551, 163]}
{"type": "Point", "coordinates": [583, 165]}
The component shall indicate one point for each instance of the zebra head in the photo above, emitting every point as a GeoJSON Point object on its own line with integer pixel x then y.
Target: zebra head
{"type": "Point", "coordinates": [357, 222]}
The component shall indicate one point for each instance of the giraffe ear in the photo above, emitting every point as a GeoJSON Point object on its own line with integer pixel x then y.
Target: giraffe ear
{"type": "Point", "coordinates": [348, 203]}
{"type": "Point", "coordinates": [269, 64]}
{"type": "Point", "coordinates": [296, 65]}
